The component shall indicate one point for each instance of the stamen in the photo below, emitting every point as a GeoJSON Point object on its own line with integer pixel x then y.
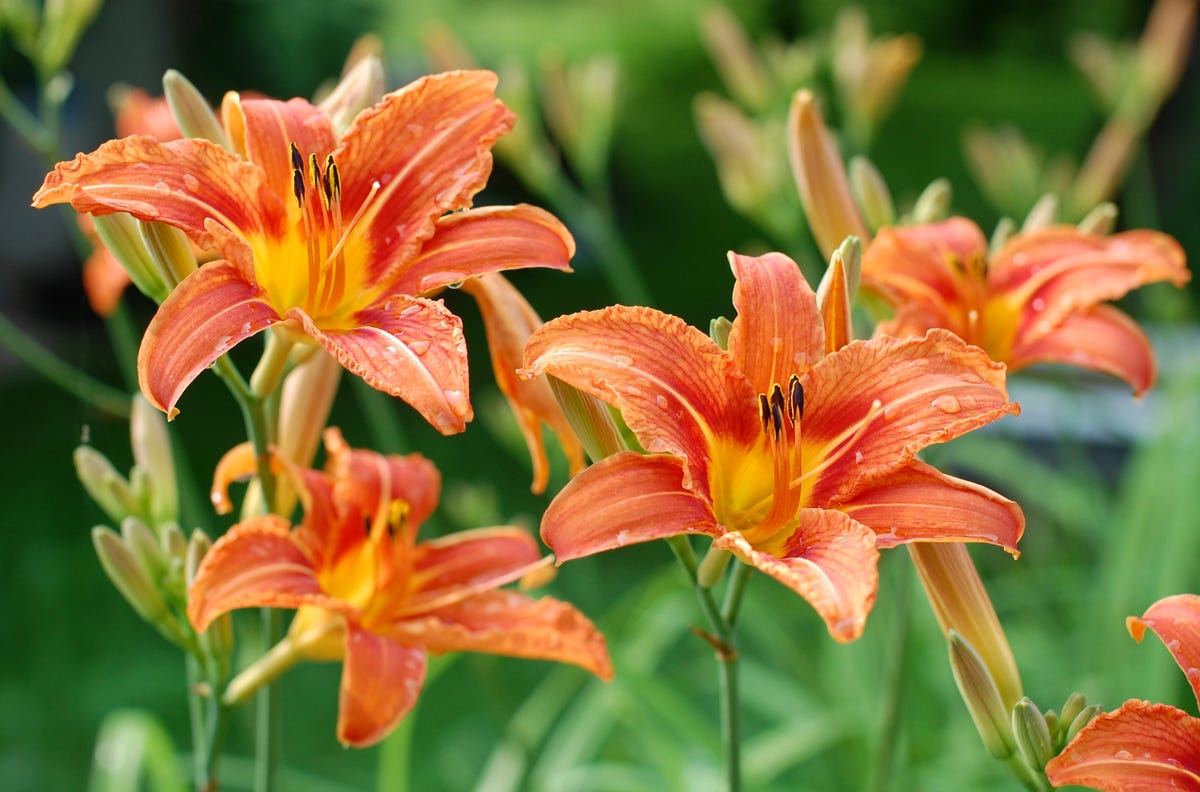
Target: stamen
{"type": "Point", "coordinates": [777, 410]}
{"type": "Point", "coordinates": [844, 442]}
{"type": "Point", "coordinates": [795, 399]}
{"type": "Point", "coordinates": [764, 411]}
{"type": "Point", "coordinates": [297, 160]}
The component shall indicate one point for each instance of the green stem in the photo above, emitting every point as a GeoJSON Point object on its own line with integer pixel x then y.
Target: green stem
{"type": "Point", "coordinates": [43, 361]}
{"type": "Point", "coordinates": [27, 125]}
{"type": "Point", "coordinates": [395, 757]}
{"type": "Point", "coordinates": [889, 715]}
{"type": "Point", "coordinates": [723, 639]}
{"type": "Point", "coordinates": [267, 715]}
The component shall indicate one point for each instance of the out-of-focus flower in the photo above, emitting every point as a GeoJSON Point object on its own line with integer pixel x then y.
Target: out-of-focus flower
{"type": "Point", "coordinates": [797, 458]}
{"type": "Point", "coordinates": [1040, 298]}
{"type": "Point", "coordinates": [1143, 747]}
{"type": "Point", "coordinates": [371, 595]}
{"type": "Point", "coordinates": [332, 241]}
{"type": "Point", "coordinates": [509, 321]}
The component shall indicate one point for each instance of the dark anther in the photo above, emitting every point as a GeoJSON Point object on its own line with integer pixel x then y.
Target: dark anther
{"type": "Point", "coordinates": [314, 171]}
{"type": "Point", "coordinates": [777, 409]}
{"type": "Point", "coordinates": [298, 186]}
{"type": "Point", "coordinates": [297, 160]}
{"type": "Point", "coordinates": [764, 410]}
{"type": "Point", "coordinates": [334, 178]}
{"type": "Point", "coordinates": [795, 399]}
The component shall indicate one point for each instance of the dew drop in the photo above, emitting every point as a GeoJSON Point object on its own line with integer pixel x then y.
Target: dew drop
{"type": "Point", "coordinates": [1123, 755]}
{"type": "Point", "coordinates": [163, 188]}
{"type": "Point", "coordinates": [1193, 674]}
{"type": "Point", "coordinates": [858, 457]}
{"type": "Point", "coordinates": [410, 310]}
{"type": "Point", "coordinates": [1173, 646]}
{"type": "Point", "coordinates": [622, 361]}
{"type": "Point", "coordinates": [191, 183]}
{"type": "Point", "coordinates": [1173, 762]}
{"type": "Point", "coordinates": [419, 347]}
{"type": "Point", "coordinates": [384, 178]}
{"type": "Point", "coordinates": [457, 401]}
{"type": "Point", "coordinates": [661, 401]}
{"type": "Point", "coordinates": [622, 538]}
{"type": "Point", "coordinates": [889, 413]}
{"type": "Point", "coordinates": [947, 404]}
{"type": "Point", "coordinates": [1038, 304]}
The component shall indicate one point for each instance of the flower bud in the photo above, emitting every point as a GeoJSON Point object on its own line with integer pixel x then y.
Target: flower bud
{"type": "Point", "coordinates": [151, 443]}
{"type": "Point", "coordinates": [1043, 214]}
{"type": "Point", "coordinates": [1005, 229]}
{"type": "Point", "coordinates": [718, 331]}
{"type": "Point", "coordinates": [871, 193]}
{"type": "Point", "coordinates": [1032, 734]}
{"type": "Point", "coordinates": [734, 57]}
{"type": "Point", "coordinates": [736, 147]}
{"type": "Point", "coordinates": [193, 114]}
{"type": "Point", "coordinates": [1075, 704]}
{"type": "Point", "coordinates": [933, 204]}
{"type": "Point", "coordinates": [1101, 220]}
{"type": "Point", "coordinates": [129, 576]}
{"type": "Point", "coordinates": [144, 545]}
{"type": "Point", "coordinates": [361, 86]}
{"type": "Point", "coordinates": [1084, 717]}
{"type": "Point", "coordinates": [120, 234]}
{"type": "Point", "coordinates": [169, 250]}
{"type": "Point", "coordinates": [712, 567]}
{"type": "Point", "coordinates": [982, 697]}
{"type": "Point", "coordinates": [104, 484]}
{"type": "Point", "coordinates": [590, 420]}
{"type": "Point", "coordinates": [835, 293]}
{"type": "Point", "coordinates": [63, 23]}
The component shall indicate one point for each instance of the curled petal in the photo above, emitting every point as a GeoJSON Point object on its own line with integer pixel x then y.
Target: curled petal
{"type": "Point", "coordinates": [381, 680]}
{"type": "Point", "coordinates": [182, 183]}
{"type": "Point", "coordinates": [677, 390]}
{"type": "Point", "coordinates": [929, 390]}
{"type": "Point", "coordinates": [1142, 747]}
{"type": "Point", "coordinates": [256, 564]}
{"type": "Point", "coordinates": [207, 314]}
{"type": "Point", "coordinates": [509, 321]}
{"type": "Point", "coordinates": [830, 560]}
{"type": "Point", "coordinates": [917, 264]}
{"type": "Point", "coordinates": [465, 563]}
{"type": "Point", "coordinates": [623, 499]}
{"type": "Point", "coordinates": [409, 347]}
{"type": "Point", "coordinates": [919, 503]}
{"type": "Point", "coordinates": [1176, 620]}
{"type": "Point", "coordinates": [1101, 338]}
{"type": "Point", "coordinates": [514, 624]}
{"type": "Point", "coordinates": [477, 241]}
{"type": "Point", "coordinates": [428, 146]}
{"type": "Point", "coordinates": [777, 332]}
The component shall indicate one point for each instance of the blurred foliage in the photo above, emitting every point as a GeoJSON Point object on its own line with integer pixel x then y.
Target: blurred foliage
{"type": "Point", "coordinates": [1110, 526]}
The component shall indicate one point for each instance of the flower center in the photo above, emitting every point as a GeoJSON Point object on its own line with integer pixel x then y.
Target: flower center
{"type": "Point", "coordinates": [325, 233]}
{"type": "Point", "coordinates": [373, 573]}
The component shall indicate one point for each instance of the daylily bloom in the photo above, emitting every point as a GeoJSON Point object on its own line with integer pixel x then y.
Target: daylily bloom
{"type": "Point", "coordinates": [368, 593]}
{"type": "Point", "coordinates": [1040, 298]}
{"type": "Point", "coordinates": [797, 458]}
{"type": "Point", "coordinates": [337, 242]}
{"type": "Point", "coordinates": [1143, 747]}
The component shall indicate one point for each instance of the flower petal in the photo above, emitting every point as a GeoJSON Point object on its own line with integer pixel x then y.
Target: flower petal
{"type": "Point", "coordinates": [1142, 747]}
{"type": "Point", "coordinates": [207, 314]}
{"type": "Point", "coordinates": [1101, 338]}
{"type": "Point", "coordinates": [777, 332]}
{"type": "Point", "coordinates": [513, 624]}
{"type": "Point", "coordinates": [830, 560]}
{"type": "Point", "coordinates": [509, 321]}
{"type": "Point", "coordinates": [104, 280]}
{"type": "Point", "coordinates": [919, 503]}
{"type": "Point", "coordinates": [489, 239]}
{"type": "Point", "coordinates": [674, 387]}
{"type": "Point", "coordinates": [182, 183]}
{"type": "Point", "coordinates": [428, 146]}
{"type": "Point", "coordinates": [1176, 620]}
{"type": "Point", "coordinates": [256, 564]}
{"type": "Point", "coordinates": [915, 264]}
{"type": "Point", "coordinates": [381, 680]}
{"type": "Point", "coordinates": [465, 563]}
{"type": "Point", "coordinates": [623, 499]}
{"type": "Point", "coordinates": [409, 347]}
{"type": "Point", "coordinates": [372, 480]}
{"type": "Point", "coordinates": [263, 131]}
{"type": "Point", "coordinates": [929, 390]}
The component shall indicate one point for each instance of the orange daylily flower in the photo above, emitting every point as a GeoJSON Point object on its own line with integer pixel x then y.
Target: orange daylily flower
{"type": "Point", "coordinates": [368, 593]}
{"type": "Point", "coordinates": [798, 459]}
{"type": "Point", "coordinates": [1040, 298]}
{"type": "Point", "coordinates": [337, 242]}
{"type": "Point", "coordinates": [1143, 747]}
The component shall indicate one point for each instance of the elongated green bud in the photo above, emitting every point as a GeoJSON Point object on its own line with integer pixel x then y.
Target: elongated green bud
{"type": "Point", "coordinates": [129, 576]}
{"type": "Point", "coordinates": [1043, 214]}
{"type": "Point", "coordinates": [1032, 734]}
{"type": "Point", "coordinates": [933, 204]}
{"type": "Point", "coordinates": [192, 112]}
{"type": "Point", "coordinates": [871, 193]}
{"type": "Point", "coordinates": [718, 331]}
{"type": "Point", "coordinates": [1101, 220]}
{"type": "Point", "coordinates": [982, 697]}
{"type": "Point", "coordinates": [590, 420]}
{"type": "Point", "coordinates": [104, 484]}
{"type": "Point", "coordinates": [1084, 717]}
{"type": "Point", "coordinates": [119, 233]}
{"type": "Point", "coordinates": [168, 248]}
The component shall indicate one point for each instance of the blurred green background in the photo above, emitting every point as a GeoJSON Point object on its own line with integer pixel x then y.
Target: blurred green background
{"type": "Point", "coordinates": [1105, 481]}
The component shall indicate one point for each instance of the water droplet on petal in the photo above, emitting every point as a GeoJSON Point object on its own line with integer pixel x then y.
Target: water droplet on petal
{"type": "Point", "coordinates": [419, 347]}
{"type": "Point", "coordinates": [661, 401]}
{"type": "Point", "coordinates": [889, 413]}
{"type": "Point", "coordinates": [1123, 755]}
{"type": "Point", "coordinates": [458, 401]}
{"type": "Point", "coordinates": [162, 187]}
{"type": "Point", "coordinates": [947, 404]}
{"type": "Point", "coordinates": [1038, 304]}
{"type": "Point", "coordinates": [622, 538]}
{"type": "Point", "coordinates": [858, 457]}
{"type": "Point", "coordinates": [191, 183]}
{"type": "Point", "coordinates": [622, 361]}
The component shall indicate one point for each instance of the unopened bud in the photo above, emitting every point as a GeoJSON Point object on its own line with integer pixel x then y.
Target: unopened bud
{"type": "Point", "coordinates": [1005, 229]}
{"type": "Point", "coordinates": [120, 234]}
{"type": "Point", "coordinates": [104, 484]}
{"type": "Point", "coordinates": [197, 547]}
{"type": "Point", "coordinates": [718, 331]}
{"type": "Point", "coordinates": [151, 443]}
{"type": "Point", "coordinates": [835, 293]}
{"type": "Point", "coordinates": [982, 697]}
{"type": "Point", "coordinates": [130, 578]}
{"type": "Point", "coordinates": [145, 547]}
{"type": "Point", "coordinates": [361, 87]}
{"type": "Point", "coordinates": [933, 204]}
{"type": "Point", "coordinates": [1032, 734]}
{"type": "Point", "coordinates": [1101, 220]}
{"type": "Point", "coordinates": [734, 57]}
{"type": "Point", "coordinates": [1043, 214]}
{"type": "Point", "coordinates": [1084, 717]}
{"type": "Point", "coordinates": [63, 23]}
{"type": "Point", "coordinates": [1075, 704]}
{"type": "Point", "coordinates": [590, 419]}
{"type": "Point", "coordinates": [713, 567]}
{"type": "Point", "coordinates": [169, 250]}
{"type": "Point", "coordinates": [871, 193]}
{"type": "Point", "coordinates": [192, 112]}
